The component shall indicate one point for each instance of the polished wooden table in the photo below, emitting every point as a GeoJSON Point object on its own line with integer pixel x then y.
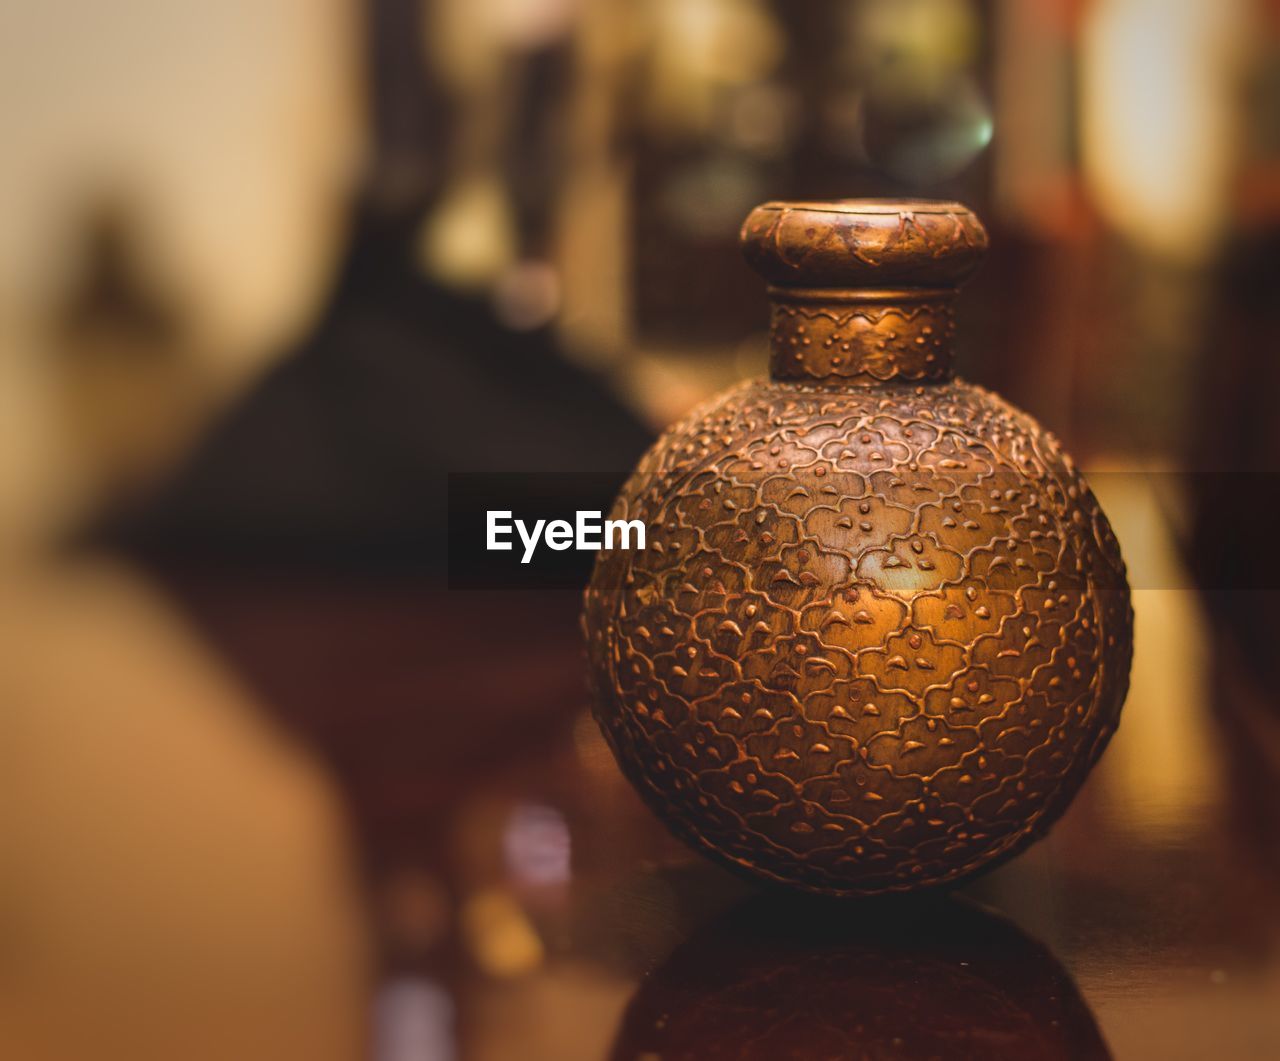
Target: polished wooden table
{"type": "Point", "coordinates": [250, 815]}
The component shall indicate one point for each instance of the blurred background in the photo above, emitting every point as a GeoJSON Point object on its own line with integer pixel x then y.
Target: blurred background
{"type": "Point", "coordinates": [270, 270]}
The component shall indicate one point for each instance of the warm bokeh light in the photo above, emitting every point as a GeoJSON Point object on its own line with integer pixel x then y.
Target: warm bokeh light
{"type": "Point", "coordinates": [1161, 80]}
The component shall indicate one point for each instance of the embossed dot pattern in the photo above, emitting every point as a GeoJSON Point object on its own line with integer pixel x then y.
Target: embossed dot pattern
{"type": "Point", "coordinates": [878, 638]}
{"type": "Point", "coordinates": [863, 342]}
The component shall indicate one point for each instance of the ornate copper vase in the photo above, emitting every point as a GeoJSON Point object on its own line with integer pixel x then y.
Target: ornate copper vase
{"type": "Point", "coordinates": [881, 631]}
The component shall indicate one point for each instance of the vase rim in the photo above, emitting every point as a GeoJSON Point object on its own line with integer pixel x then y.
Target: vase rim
{"type": "Point", "coordinates": [869, 206]}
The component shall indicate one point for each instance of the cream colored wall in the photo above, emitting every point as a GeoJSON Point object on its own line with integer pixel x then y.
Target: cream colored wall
{"type": "Point", "coordinates": [232, 130]}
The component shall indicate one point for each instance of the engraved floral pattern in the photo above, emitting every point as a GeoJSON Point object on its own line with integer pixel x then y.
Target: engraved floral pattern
{"type": "Point", "coordinates": [878, 639]}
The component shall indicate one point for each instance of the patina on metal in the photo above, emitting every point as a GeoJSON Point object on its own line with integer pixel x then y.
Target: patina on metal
{"type": "Point", "coordinates": [882, 630]}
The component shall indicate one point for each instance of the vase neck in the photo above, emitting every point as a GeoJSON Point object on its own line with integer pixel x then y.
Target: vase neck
{"type": "Point", "coordinates": [861, 336]}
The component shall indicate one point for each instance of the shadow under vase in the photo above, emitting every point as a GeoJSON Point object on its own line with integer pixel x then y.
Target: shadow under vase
{"type": "Point", "coordinates": [796, 977]}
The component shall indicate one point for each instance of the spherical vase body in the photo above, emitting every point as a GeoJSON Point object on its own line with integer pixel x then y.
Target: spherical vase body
{"type": "Point", "coordinates": [881, 630]}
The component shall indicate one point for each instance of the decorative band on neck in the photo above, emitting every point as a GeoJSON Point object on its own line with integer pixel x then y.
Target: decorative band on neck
{"type": "Point", "coordinates": [868, 335]}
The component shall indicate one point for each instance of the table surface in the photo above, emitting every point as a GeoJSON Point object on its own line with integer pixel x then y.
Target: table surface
{"type": "Point", "coordinates": [260, 816]}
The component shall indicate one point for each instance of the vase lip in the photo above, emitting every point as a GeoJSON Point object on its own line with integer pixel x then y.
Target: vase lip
{"type": "Point", "coordinates": [869, 206]}
{"type": "Point", "coordinates": [863, 243]}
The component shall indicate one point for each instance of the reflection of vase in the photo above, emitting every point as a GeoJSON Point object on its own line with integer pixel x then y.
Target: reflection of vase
{"type": "Point", "coordinates": [881, 630]}
{"type": "Point", "coordinates": [916, 979]}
